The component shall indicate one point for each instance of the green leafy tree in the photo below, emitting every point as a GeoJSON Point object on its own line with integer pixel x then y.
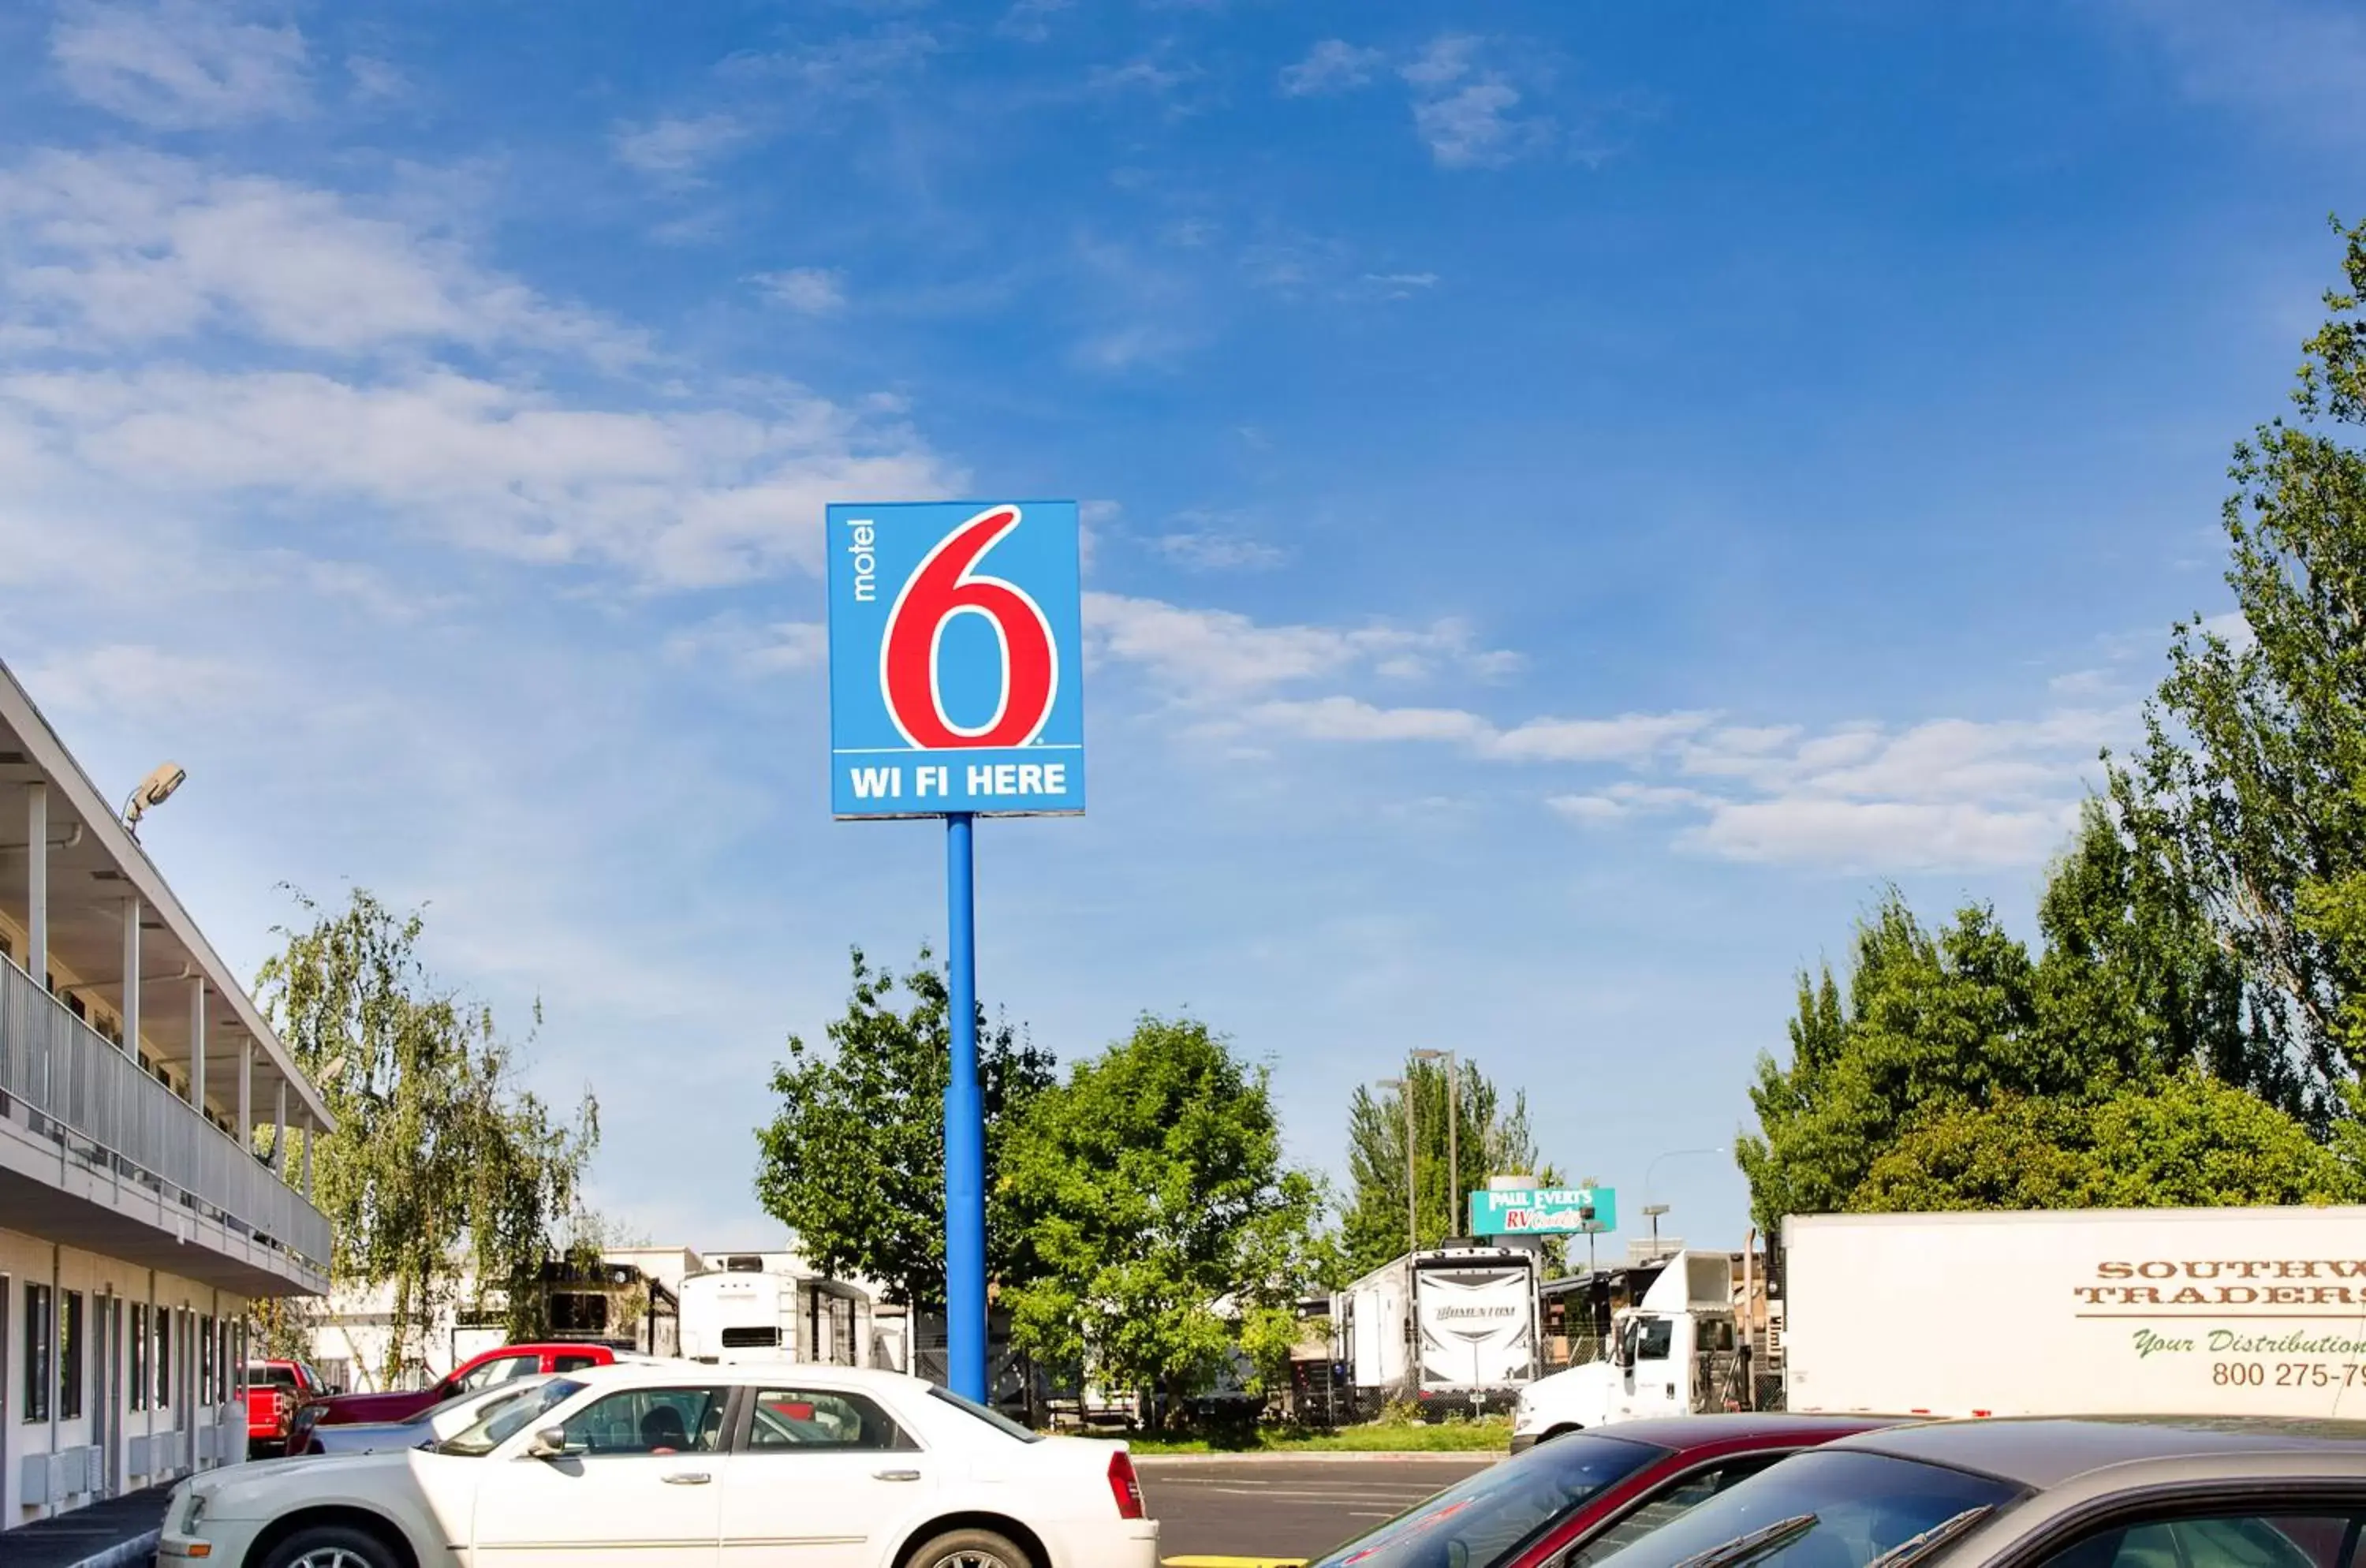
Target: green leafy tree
{"type": "Point", "coordinates": [1492, 1138]}
{"type": "Point", "coordinates": [1169, 1232]}
{"type": "Point", "coordinates": [2248, 786]}
{"type": "Point", "coordinates": [1955, 1071]}
{"type": "Point", "coordinates": [854, 1160]}
{"type": "Point", "coordinates": [2188, 1140]}
{"type": "Point", "coordinates": [445, 1177]}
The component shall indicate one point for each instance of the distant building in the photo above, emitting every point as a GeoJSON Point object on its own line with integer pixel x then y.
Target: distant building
{"type": "Point", "coordinates": [136, 1219]}
{"type": "Point", "coordinates": [658, 1301]}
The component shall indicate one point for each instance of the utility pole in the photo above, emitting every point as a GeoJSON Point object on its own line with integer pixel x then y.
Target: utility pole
{"type": "Point", "coordinates": [1453, 1138]}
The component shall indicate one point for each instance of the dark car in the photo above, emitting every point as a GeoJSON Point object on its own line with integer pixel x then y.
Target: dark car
{"type": "Point", "coordinates": [506, 1364]}
{"type": "Point", "coordinates": [1570, 1502]}
{"type": "Point", "coordinates": [427, 1429]}
{"type": "Point", "coordinates": [2152, 1493]}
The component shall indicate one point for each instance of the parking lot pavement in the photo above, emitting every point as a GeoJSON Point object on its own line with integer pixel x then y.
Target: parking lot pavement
{"type": "Point", "coordinates": [1286, 1505]}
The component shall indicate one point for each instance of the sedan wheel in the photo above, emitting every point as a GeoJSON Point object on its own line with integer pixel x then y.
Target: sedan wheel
{"type": "Point", "coordinates": [970, 1549]}
{"type": "Point", "coordinates": [331, 1546]}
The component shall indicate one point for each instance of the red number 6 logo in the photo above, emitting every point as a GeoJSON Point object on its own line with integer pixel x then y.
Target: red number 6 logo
{"type": "Point", "coordinates": [947, 584]}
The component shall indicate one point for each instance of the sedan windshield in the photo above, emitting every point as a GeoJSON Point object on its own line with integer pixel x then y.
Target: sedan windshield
{"type": "Point", "coordinates": [1489, 1518]}
{"type": "Point", "coordinates": [1825, 1509]}
{"type": "Point", "coordinates": [456, 1413]}
{"type": "Point", "coordinates": [495, 1426]}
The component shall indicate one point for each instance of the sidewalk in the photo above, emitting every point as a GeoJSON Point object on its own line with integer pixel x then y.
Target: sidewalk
{"type": "Point", "coordinates": [111, 1534]}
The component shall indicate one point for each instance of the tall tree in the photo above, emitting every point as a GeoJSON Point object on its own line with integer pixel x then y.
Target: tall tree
{"type": "Point", "coordinates": [1491, 1138]}
{"type": "Point", "coordinates": [1955, 1071]}
{"type": "Point", "coordinates": [2247, 783]}
{"type": "Point", "coordinates": [1170, 1231]}
{"type": "Point", "coordinates": [853, 1162]}
{"type": "Point", "coordinates": [444, 1175]}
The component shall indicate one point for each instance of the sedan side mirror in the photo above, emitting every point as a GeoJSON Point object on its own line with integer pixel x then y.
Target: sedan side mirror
{"type": "Point", "coordinates": [548, 1443]}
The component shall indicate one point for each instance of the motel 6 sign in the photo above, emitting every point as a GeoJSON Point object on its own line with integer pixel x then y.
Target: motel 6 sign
{"type": "Point", "coordinates": [956, 667]}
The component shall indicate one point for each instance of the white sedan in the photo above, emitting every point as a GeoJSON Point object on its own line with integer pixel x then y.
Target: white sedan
{"type": "Point", "coordinates": [681, 1465]}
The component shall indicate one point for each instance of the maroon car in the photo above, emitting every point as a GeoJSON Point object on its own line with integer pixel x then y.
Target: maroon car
{"type": "Point", "coordinates": [1575, 1500]}
{"type": "Point", "coordinates": [481, 1370]}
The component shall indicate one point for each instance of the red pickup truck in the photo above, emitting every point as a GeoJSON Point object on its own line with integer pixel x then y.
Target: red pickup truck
{"type": "Point", "coordinates": [275, 1392]}
{"type": "Point", "coordinates": [479, 1371]}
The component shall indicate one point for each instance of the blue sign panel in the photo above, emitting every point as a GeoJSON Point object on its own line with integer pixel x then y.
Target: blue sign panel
{"type": "Point", "coordinates": [956, 660]}
{"type": "Point", "coordinates": [1544, 1210]}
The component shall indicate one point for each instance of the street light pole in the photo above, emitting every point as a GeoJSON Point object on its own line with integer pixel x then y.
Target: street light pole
{"type": "Point", "coordinates": [1412, 1194]}
{"type": "Point", "coordinates": [1453, 1137]}
{"type": "Point", "coordinates": [1652, 1211]}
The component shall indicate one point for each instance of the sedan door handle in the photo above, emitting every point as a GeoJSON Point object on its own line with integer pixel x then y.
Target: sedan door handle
{"type": "Point", "coordinates": [688, 1478]}
{"type": "Point", "coordinates": [895, 1475]}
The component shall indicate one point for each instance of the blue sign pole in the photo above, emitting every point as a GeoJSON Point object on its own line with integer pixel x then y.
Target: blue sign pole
{"type": "Point", "coordinates": [956, 690]}
{"type": "Point", "coordinates": [964, 1128]}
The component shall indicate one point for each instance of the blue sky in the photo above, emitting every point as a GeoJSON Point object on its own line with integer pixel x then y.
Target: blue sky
{"type": "Point", "coordinates": [1577, 495]}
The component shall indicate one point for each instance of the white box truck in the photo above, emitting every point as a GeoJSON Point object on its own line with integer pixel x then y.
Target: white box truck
{"type": "Point", "coordinates": [2078, 1312]}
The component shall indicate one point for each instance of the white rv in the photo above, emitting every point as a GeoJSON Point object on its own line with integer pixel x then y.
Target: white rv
{"type": "Point", "coordinates": [758, 1307]}
{"type": "Point", "coordinates": [1454, 1329]}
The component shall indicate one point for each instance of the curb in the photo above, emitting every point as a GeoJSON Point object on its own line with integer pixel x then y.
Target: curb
{"type": "Point", "coordinates": [1318, 1456]}
{"type": "Point", "coordinates": [140, 1548]}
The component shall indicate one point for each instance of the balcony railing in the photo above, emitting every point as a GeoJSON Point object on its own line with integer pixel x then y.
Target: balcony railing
{"type": "Point", "coordinates": [80, 1089]}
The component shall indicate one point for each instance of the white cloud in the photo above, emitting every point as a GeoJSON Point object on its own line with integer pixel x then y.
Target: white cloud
{"type": "Point", "coordinates": [1199, 655]}
{"type": "Point", "coordinates": [129, 246]}
{"type": "Point", "coordinates": [1629, 736]}
{"type": "Point", "coordinates": [753, 651]}
{"type": "Point", "coordinates": [857, 65]}
{"type": "Point", "coordinates": [675, 149]}
{"type": "Point", "coordinates": [1140, 344]}
{"type": "Point", "coordinates": [1144, 75]}
{"type": "Point", "coordinates": [1029, 20]}
{"type": "Point", "coordinates": [142, 681]}
{"type": "Point", "coordinates": [1347, 718]}
{"type": "Point", "coordinates": [1467, 114]}
{"type": "Point", "coordinates": [2297, 63]}
{"type": "Point", "coordinates": [376, 80]}
{"type": "Point", "coordinates": [1333, 66]}
{"type": "Point", "coordinates": [1217, 550]}
{"type": "Point", "coordinates": [1858, 795]}
{"type": "Point", "coordinates": [1884, 836]}
{"type": "Point", "coordinates": [807, 291]}
{"type": "Point", "coordinates": [179, 64]}
{"type": "Point", "coordinates": [673, 498]}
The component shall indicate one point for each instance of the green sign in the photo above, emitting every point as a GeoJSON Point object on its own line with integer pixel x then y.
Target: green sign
{"type": "Point", "coordinates": [1544, 1210]}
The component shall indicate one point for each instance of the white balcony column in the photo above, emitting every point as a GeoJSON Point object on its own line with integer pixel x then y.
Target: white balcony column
{"type": "Point", "coordinates": [246, 1094]}
{"type": "Point", "coordinates": [307, 1156]}
{"type": "Point", "coordinates": [280, 1135]}
{"type": "Point", "coordinates": [132, 977]}
{"type": "Point", "coordinates": [36, 883]}
{"type": "Point", "coordinates": [197, 1044]}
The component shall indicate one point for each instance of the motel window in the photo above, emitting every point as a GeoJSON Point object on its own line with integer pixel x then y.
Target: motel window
{"type": "Point", "coordinates": [36, 1352]}
{"type": "Point", "coordinates": [70, 1357]}
{"type": "Point", "coordinates": [138, 1337]}
{"type": "Point", "coordinates": [162, 1340]}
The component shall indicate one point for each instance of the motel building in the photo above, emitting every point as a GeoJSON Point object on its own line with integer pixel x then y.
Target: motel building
{"type": "Point", "coordinates": [138, 1215]}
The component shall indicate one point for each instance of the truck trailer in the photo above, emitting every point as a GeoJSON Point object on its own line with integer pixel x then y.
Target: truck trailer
{"type": "Point", "coordinates": [2192, 1312]}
